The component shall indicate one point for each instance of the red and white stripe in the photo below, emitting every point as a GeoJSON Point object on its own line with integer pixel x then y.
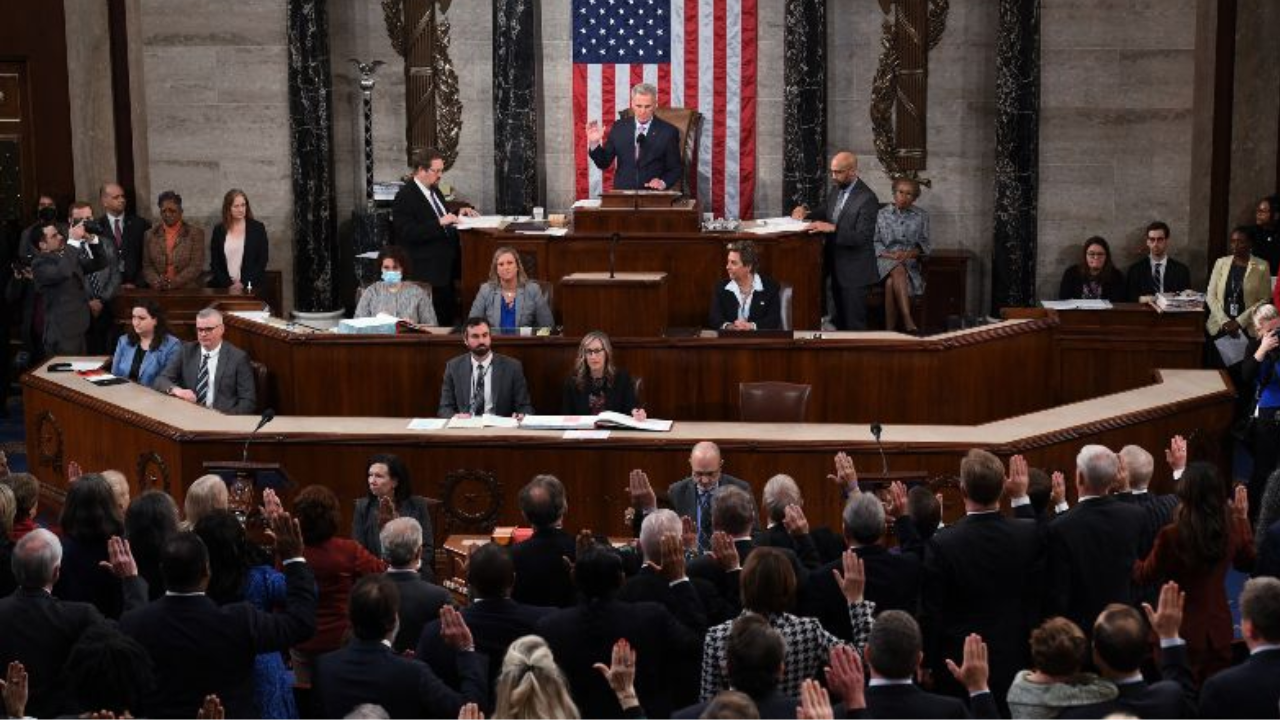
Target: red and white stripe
{"type": "Point", "coordinates": [712, 68]}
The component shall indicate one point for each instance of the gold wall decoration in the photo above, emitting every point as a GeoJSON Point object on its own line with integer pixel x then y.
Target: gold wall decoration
{"type": "Point", "coordinates": [419, 33]}
{"type": "Point", "coordinates": [899, 91]}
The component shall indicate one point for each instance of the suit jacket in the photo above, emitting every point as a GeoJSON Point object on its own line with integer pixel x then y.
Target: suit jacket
{"type": "Point", "coordinates": [893, 583]}
{"type": "Point", "coordinates": [983, 575]}
{"type": "Point", "coordinates": [542, 578]}
{"type": "Point", "coordinates": [1248, 690]}
{"type": "Point", "coordinates": [505, 378]}
{"type": "Point", "coordinates": [1257, 290]}
{"type": "Point", "coordinates": [728, 584]}
{"type": "Point", "coordinates": [619, 396]}
{"type": "Point", "coordinates": [369, 672]}
{"type": "Point", "coordinates": [1138, 281]}
{"type": "Point", "coordinates": [432, 247]}
{"type": "Point", "coordinates": [60, 278]}
{"type": "Point", "coordinates": [233, 388]}
{"type": "Point", "coordinates": [253, 264]}
{"type": "Point", "coordinates": [365, 529]}
{"type": "Point", "coordinates": [107, 276]}
{"type": "Point", "coordinates": [582, 635]}
{"type": "Point", "coordinates": [133, 233]}
{"type": "Point", "coordinates": [495, 623]}
{"type": "Point", "coordinates": [420, 603]}
{"type": "Point", "coordinates": [765, 311]}
{"type": "Point", "coordinates": [200, 648]}
{"type": "Point", "coordinates": [188, 258]}
{"type": "Point", "coordinates": [531, 306]}
{"type": "Point", "coordinates": [909, 701]}
{"type": "Point", "coordinates": [659, 156]}
{"type": "Point", "coordinates": [806, 547]}
{"type": "Point", "coordinates": [851, 248]}
{"type": "Point", "coordinates": [152, 364]}
{"type": "Point", "coordinates": [773, 705]}
{"type": "Point", "coordinates": [1268, 563]}
{"type": "Point", "coordinates": [39, 631]}
{"type": "Point", "coordinates": [685, 601]}
{"type": "Point", "coordinates": [1092, 549]}
{"type": "Point", "coordinates": [684, 494]}
{"type": "Point", "coordinates": [1171, 697]}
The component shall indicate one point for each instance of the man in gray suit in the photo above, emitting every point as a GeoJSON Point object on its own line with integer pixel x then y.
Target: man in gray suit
{"type": "Point", "coordinates": [848, 218]}
{"type": "Point", "coordinates": [59, 272]}
{"type": "Point", "coordinates": [210, 372]}
{"type": "Point", "coordinates": [483, 382]}
{"type": "Point", "coordinates": [692, 496]}
{"type": "Point", "coordinates": [102, 284]}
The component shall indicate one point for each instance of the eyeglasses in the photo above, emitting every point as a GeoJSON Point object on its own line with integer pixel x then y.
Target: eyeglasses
{"type": "Point", "coordinates": [1096, 254]}
{"type": "Point", "coordinates": [593, 351]}
{"type": "Point", "coordinates": [209, 329]}
{"type": "Point", "coordinates": [705, 473]}
{"type": "Point", "coordinates": [435, 171]}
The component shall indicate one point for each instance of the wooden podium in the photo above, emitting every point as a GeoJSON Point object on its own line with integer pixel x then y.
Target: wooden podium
{"type": "Point", "coordinates": [639, 212]}
{"type": "Point", "coordinates": [630, 304]}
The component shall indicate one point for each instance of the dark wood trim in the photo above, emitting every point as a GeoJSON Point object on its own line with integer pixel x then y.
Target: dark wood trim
{"type": "Point", "coordinates": [121, 98]}
{"type": "Point", "coordinates": [1224, 90]}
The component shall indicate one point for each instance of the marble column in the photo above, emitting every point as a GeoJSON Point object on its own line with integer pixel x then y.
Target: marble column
{"type": "Point", "coordinates": [515, 122]}
{"type": "Point", "coordinates": [804, 170]}
{"type": "Point", "coordinates": [1013, 259]}
{"type": "Point", "coordinates": [315, 231]}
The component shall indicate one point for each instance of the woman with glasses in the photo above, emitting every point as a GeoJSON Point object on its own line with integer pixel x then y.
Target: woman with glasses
{"type": "Point", "coordinates": [596, 384]}
{"type": "Point", "coordinates": [1095, 278]}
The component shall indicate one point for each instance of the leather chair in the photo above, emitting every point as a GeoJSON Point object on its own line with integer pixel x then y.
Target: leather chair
{"type": "Point", "coordinates": [689, 122]}
{"type": "Point", "coordinates": [785, 293]}
{"type": "Point", "coordinates": [637, 385]}
{"type": "Point", "coordinates": [261, 386]}
{"type": "Point", "coordinates": [773, 402]}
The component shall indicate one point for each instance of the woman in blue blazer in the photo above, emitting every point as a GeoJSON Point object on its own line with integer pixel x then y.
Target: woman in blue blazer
{"type": "Point", "coordinates": [144, 351]}
{"type": "Point", "coordinates": [509, 300]}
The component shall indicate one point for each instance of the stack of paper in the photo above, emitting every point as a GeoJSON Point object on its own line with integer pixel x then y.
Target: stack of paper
{"type": "Point", "coordinates": [1185, 301]}
{"type": "Point", "coordinates": [771, 226]}
{"type": "Point", "coordinates": [1076, 304]}
{"type": "Point", "coordinates": [481, 421]}
{"type": "Point", "coordinates": [378, 325]}
{"type": "Point", "coordinates": [586, 422]}
{"type": "Point", "coordinates": [491, 222]}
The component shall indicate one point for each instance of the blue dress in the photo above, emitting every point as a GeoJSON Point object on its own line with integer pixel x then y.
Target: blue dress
{"type": "Point", "coordinates": [272, 679]}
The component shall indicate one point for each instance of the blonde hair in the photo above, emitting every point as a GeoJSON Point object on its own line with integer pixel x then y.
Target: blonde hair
{"type": "Point", "coordinates": [531, 685]}
{"type": "Point", "coordinates": [8, 508]}
{"type": "Point", "coordinates": [521, 277]}
{"type": "Point", "coordinates": [206, 494]}
{"type": "Point", "coordinates": [1265, 312]}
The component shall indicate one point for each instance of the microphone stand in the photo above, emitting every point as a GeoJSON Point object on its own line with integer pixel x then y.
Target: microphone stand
{"type": "Point", "coordinates": [884, 461]}
{"type": "Point", "coordinates": [267, 417]}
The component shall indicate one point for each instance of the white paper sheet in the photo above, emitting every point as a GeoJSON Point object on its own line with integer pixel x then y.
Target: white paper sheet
{"type": "Point", "coordinates": [586, 434]}
{"type": "Point", "coordinates": [426, 424]}
{"type": "Point", "coordinates": [1232, 348]}
{"type": "Point", "coordinates": [483, 221]}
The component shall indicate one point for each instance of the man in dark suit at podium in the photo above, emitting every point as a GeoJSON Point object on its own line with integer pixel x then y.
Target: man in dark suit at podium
{"type": "Point", "coordinates": [1157, 272]}
{"type": "Point", "coordinates": [424, 227]}
{"type": "Point", "coordinates": [647, 149]}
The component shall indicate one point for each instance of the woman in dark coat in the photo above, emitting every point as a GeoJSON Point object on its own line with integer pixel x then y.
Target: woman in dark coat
{"type": "Point", "coordinates": [596, 384]}
{"type": "Point", "coordinates": [1095, 277]}
{"type": "Point", "coordinates": [238, 248]}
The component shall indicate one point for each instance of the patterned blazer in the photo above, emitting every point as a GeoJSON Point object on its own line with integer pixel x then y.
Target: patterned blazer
{"type": "Point", "coordinates": [188, 258]}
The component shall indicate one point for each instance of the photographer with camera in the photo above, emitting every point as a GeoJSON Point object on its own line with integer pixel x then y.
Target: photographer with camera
{"type": "Point", "coordinates": [59, 271]}
{"type": "Point", "coordinates": [102, 285]}
{"type": "Point", "coordinates": [1260, 372]}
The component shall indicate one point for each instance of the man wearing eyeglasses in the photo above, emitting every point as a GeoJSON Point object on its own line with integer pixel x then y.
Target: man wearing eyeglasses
{"type": "Point", "coordinates": [848, 219]}
{"type": "Point", "coordinates": [210, 372]}
{"type": "Point", "coordinates": [692, 496]}
{"type": "Point", "coordinates": [425, 227]}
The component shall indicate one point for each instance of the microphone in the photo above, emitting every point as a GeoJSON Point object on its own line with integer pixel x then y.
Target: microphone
{"type": "Point", "coordinates": [267, 416]}
{"type": "Point", "coordinates": [875, 432]}
{"type": "Point", "coordinates": [639, 152]}
{"type": "Point", "coordinates": [613, 244]}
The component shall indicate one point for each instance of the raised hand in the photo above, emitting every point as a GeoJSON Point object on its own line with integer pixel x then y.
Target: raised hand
{"type": "Point", "coordinates": [1240, 504]}
{"type": "Point", "coordinates": [846, 475]}
{"type": "Point", "coordinates": [470, 711]}
{"type": "Point", "coordinates": [14, 689]}
{"type": "Point", "coordinates": [211, 709]}
{"type": "Point", "coordinates": [641, 491]}
{"type": "Point", "coordinates": [386, 510]}
{"type": "Point", "coordinates": [621, 673]}
{"type": "Point", "coordinates": [119, 558]}
{"type": "Point", "coordinates": [74, 471]}
{"type": "Point", "coordinates": [1176, 454]}
{"type": "Point", "coordinates": [724, 551]}
{"type": "Point", "coordinates": [794, 521]}
{"type": "Point", "coordinates": [975, 670]}
{"type": "Point", "coordinates": [271, 505]}
{"type": "Point", "coordinates": [288, 536]}
{"type": "Point", "coordinates": [1057, 489]}
{"type": "Point", "coordinates": [845, 677]}
{"type": "Point", "coordinates": [1019, 478]}
{"type": "Point", "coordinates": [688, 533]}
{"type": "Point", "coordinates": [595, 133]}
{"type": "Point", "coordinates": [454, 630]}
{"type": "Point", "coordinates": [1166, 619]}
{"type": "Point", "coordinates": [897, 499]}
{"type": "Point", "coordinates": [672, 558]}
{"type": "Point", "coordinates": [853, 581]}
{"type": "Point", "coordinates": [814, 702]}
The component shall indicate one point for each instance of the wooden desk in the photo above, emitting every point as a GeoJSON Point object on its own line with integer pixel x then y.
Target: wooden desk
{"type": "Point", "coordinates": [628, 305]}
{"type": "Point", "coordinates": [965, 377]}
{"type": "Point", "coordinates": [180, 306]}
{"type": "Point", "coordinates": [162, 442]}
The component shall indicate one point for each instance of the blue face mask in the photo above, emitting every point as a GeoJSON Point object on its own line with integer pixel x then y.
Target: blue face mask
{"type": "Point", "coordinates": [391, 276]}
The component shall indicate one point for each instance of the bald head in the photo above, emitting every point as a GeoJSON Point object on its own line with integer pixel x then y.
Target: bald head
{"type": "Point", "coordinates": [119, 488]}
{"type": "Point", "coordinates": [844, 168]}
{"type": "Point", "coordinates": [111, 197]}
{"type": "Point", "coordinates": [705, 463]}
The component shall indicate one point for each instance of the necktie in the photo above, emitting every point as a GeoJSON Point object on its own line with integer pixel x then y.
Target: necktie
{"type": "Point", "coordinates": [844, 195]}
{"type": "Point", "coordinates": [118, 233]}
{"type": "Point", "coordinates": [704, 520]}
{"type": "Point", "coordinates": [1157, 277]}
{"type": "Point", "coordinates": [477, 395]}
{"type": "Point", "coordinates": [202, 381]}
{"type": "Point", "coordinates": [435, 204]}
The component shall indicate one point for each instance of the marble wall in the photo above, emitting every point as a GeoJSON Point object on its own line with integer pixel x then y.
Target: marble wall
{"type": "Point", "coordinates": [93, 146]}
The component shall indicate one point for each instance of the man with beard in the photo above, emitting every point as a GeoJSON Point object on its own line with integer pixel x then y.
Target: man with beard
{"type": "Point", "coordinates": [482, 382]}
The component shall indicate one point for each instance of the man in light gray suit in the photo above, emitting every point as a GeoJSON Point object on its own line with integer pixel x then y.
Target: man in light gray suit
{"type": "Point", "coordinates": [211, 372]}
{"type": "Point", "coordinates": [483, 382]}
{"type": "Point", "coordinates": [692, 496]}
{"type": "Point", "coordinates": [848, 218]}
{"type": "Point", "coordinates": [59, 272]}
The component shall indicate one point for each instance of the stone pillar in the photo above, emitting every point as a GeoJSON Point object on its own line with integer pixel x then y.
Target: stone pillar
{"type": "Point", "coordinates": [1013, 258]}
{"type": "Point", "coordinates": [804, 169]}
{"type": "Point", "coordinates": [515, 122]}
{"type": "Point", "coordinates": [315, 233]}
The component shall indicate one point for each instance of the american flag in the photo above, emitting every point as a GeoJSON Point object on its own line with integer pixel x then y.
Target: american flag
{"type": "Point", "coordinates": [698, 53]}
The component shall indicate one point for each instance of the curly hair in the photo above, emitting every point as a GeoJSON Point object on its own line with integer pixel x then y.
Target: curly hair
{"type": "Point", "coordinates": [318, 512]}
